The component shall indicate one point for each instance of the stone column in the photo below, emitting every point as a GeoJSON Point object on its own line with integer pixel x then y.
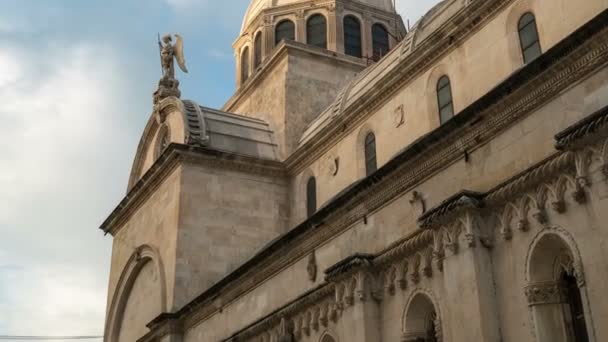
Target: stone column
{"type": "Point", "coordinates": [548, 302]}
{"type": "Point", "coordinates": [300, 27]}
{"type": "Point", "coordinates": [470, 293]}
{"type": "Point", "coordinates": [339, 28]}
{"type": "Point", "coordinates": [331, 27]}
{"type": "Point", "coordinates": [363, 316]}
{"type": "Point", "coordinates": [366, 35]}
{"type": "Point", "coordinates": [268, 38]}
{"type": "Point", "coordinates": [238, 68]}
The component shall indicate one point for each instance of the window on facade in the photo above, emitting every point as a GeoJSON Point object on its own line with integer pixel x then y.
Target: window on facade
{"type": "Point", "coordinates": [575, 317]}
{"type": "Point", "coordinates": [245, 65]}
{"type": "Point", "coordinates": [528, 38]}
{"type": "Point", "coordinates": [444, 99]}
{"type": "Point", "coordinates": [257, 47]}
{"type": "Point", "coordinates": [352, 36]}
{"type": "Point", "coordinates": [316, 31]}
{"type": "Point", "coordinates": [380, 42]}
{"type": "Point", "coordinates": [370, 154]}
{"type": "Point", "coordinates": [311, 196]}
{"type": "Point", "coordinates": [285, 30]}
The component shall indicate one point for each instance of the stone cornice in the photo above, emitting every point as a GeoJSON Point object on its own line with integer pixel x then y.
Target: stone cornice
{"type": "Point", "coordinates": [441, 42]}
{"type": "Point", "coordinates": [172, 157]}
{"type": "Point", "coordinates": [464, 200]}
{"type": "Point", "coordinates": [347, 265]}
{"type": "Point", "coordinates": [527, 89]}
{"type": "Point", "coordinates": [593, 125]}
{"type": "Point", "coordinates": [306, 300]}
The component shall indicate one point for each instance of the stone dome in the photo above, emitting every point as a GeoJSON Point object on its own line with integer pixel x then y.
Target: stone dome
{"type": "Point", "coordinates": [257, 6]}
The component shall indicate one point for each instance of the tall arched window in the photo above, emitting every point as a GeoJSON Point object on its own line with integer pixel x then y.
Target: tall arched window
{"type": "Point", "coordinates": [316, 31]}
{"type": "Point", "coordinates": [352, 36]}
{"type": "Point", "coordinates": [421, 320]}
{"type": "Point", "coordinates": [285, 30]}
{"type": "Point", "coordinates": [555, 290]}
{"type": "Point", "coordinates": [380, 43]}
{"type": "Point", "coordinates": [257, 48]}
{"type": "Point", "coordinates": [311, 196]}
{"type": "Point", "coordinates": [444, 99]}
{"type": "Point", "coordinates": [370, 154]}
{"type": "Point", "coordinates": [245, 65]}
{"type": "Point", "coordinates": [528, 37]}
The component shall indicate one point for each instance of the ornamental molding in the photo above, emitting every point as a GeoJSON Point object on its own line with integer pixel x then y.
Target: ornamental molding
{"type": "Point", "coordinates": [544, 293]}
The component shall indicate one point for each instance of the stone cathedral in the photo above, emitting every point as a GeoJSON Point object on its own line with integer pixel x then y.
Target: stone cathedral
{"type": "Point", "coordinates": [369, 181]}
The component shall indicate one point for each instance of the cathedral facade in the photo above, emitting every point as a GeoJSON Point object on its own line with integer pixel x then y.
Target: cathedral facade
{"type": "Point", "coordinates": [372, 182]}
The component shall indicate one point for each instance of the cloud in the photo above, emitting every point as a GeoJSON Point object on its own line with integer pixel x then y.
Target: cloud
{"type": "Point", "coordinates": [61, 146]}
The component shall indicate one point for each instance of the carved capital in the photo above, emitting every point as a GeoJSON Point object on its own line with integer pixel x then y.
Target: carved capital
{"type": "Point", "coordinates": [545, 293]}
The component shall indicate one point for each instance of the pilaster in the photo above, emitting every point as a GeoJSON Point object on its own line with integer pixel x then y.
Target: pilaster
{"type": "Point", "coordinates": [468, 267]}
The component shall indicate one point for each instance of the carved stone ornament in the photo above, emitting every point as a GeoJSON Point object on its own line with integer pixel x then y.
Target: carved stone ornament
{"type": "Point", "coordinates": [545, 293]}
{"type": "Point", "coordinates": [311, 268]}
{"type": "Point", "coordinates": [399, 116]}
{"type": "Point", "coordinates": [333, 165]}
{"type": "Point", "coordinates": [169, 53]}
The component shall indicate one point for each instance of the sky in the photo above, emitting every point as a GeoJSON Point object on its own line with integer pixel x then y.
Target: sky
{"type": "Point", "coordinates": [76, 83]}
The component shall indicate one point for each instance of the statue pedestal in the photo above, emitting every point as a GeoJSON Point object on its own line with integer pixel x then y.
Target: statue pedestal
{"type": "Point", "coordinates": [167, 87]}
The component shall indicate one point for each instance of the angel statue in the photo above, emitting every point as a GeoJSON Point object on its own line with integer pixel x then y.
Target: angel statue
{"type": "Point", "coordinates": [167, 54]}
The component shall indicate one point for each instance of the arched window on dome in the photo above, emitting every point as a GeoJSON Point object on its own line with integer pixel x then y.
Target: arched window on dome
{"type": "Point", "coordinates": [316, 31]}
{"type": "Point", "coordinates": [244, 65]}
{"type": "Point", "coordinates": [370, 154]}
{"type": "Point", "coordinates": [352, 36]}
{"type": "Point", "coordinates": [380, 42]}
{"type": "Point", "coordinates": [528, 37]}
{"type": "Point", "coordinates": [285, 30]}
{"type": "Point", "coordinates": [311, 196]}
{"type": "Point", "coordinates": [257, 48]}
{"type": "Point", "coordinates": [444, 99]}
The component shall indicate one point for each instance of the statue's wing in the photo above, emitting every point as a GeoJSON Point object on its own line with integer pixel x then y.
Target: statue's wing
{"type": "Point", "coordinates": [179, 53]}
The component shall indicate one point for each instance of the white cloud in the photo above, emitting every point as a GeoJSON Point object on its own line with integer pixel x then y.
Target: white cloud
{"type": "Point", "coordinates": [62, 141]}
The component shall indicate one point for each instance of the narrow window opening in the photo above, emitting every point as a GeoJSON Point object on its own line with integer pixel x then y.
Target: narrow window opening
{"type": "Point", "coordinates": [444, 99]}
{"type": "Point", "coordinates": [528, 38]}
{"type": "Point", "coordinates": [370, 154]}
{"type": "Point", "coordinates": [285, 30]}
{"type": "Point", "coordinates": [352, 36]}
{"type": "Point", "coordinates": [245, 65]}
{"type": "Point", "coordinates": [380, 41]}
{"type": "Point", "coordinates": [316, 31]}
{"type": "Point", "coordinates": [257, 47]}
{"type": "Point", "coordinates": [311, 196]}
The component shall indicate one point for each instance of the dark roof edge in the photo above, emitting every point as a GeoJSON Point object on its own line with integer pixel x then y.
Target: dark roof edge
{"type": "Point", "coordinates": [591, 124]}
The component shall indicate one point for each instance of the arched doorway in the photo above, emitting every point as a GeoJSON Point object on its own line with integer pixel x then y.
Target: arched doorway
{"type": "Point", "coordinates": [555, 292]}
{"type": "Point", "coordinates": [421, 321]}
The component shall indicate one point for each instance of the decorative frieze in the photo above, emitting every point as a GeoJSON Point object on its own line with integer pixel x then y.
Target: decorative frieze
{"type": "Point", "coordinates": [546, 293]}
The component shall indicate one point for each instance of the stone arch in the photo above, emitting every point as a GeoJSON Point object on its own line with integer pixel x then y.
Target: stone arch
{"type": "Point", "coordinates": [421, 318]}
{"type": "Point", "coordinates": [141, 257]}
{"type": "Point", "coordinates": [555, 289]}
{"type": "Point", "coordinates": [162, 115]}
{"type": "Point", "coordinates": [327, 337]}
